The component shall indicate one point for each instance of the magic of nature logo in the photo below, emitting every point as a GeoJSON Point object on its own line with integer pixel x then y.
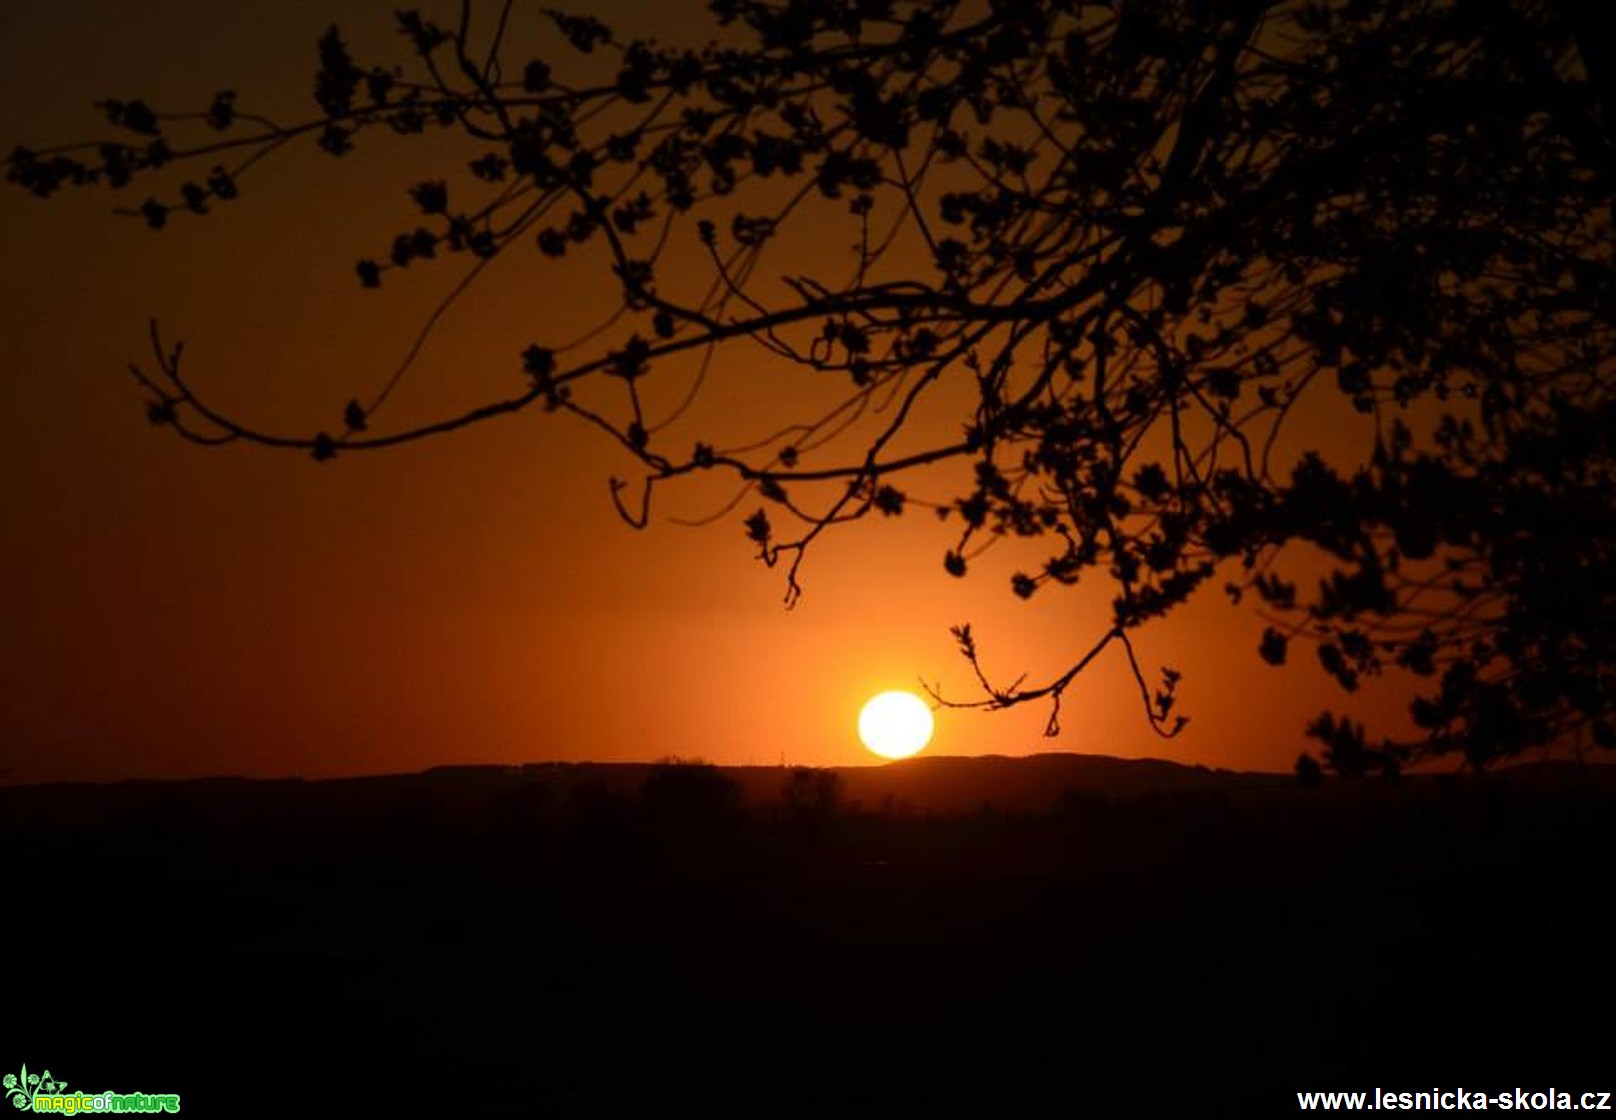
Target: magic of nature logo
{"type": "Point", "coordinates": [42, 1092]}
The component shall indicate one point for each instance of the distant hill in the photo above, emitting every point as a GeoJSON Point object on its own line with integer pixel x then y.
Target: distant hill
{"type": "Point", "coordinates": [938, 784]}
{"type": "Point", "coordinates": [942, 783]}
{"type": "Point", "coordinates": [1034, 783]}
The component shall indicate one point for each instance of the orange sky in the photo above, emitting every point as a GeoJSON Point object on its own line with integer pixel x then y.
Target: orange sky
{"type": "Point", "coordinates": [177, 611]}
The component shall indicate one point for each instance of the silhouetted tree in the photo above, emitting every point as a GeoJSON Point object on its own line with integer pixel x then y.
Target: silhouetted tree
{"type": "Point", "coordinates": [1308, 771]}
{"type": "Point", "coordinates": [1130, 242]}
{"type": "Point", "coordinates": [689, 794]}
{"type": "Point", "coordinates": [811, 795]}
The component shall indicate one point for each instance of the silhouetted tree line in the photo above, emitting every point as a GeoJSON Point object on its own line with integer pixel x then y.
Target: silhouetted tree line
{"type": "Point", "coordinates": [1143, 237]}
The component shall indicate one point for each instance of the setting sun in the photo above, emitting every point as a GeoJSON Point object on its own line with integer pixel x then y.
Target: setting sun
{"type": "Point", "coordinates": [895, 724]}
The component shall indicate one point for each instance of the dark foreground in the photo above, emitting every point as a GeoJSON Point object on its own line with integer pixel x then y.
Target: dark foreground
{"type": "Point", "coordinates": [455, 949]}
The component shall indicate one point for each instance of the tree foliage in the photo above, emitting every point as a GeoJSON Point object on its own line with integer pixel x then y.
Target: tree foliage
{"type": "Point", "coordinates": [1143, 236]}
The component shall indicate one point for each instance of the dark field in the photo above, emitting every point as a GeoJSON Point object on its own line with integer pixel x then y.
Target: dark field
{"type": "Point", "coordinates": [679, 940]}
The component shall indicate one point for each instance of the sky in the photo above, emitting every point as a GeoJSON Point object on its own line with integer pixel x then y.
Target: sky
{"type": "Point", "coordinates": [177, 611]}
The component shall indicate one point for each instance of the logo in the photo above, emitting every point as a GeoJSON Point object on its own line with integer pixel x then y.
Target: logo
{"type": "Point", "coordinates": [40, 1092]}
{"type": "Point", "coordinates": [21, 1087]}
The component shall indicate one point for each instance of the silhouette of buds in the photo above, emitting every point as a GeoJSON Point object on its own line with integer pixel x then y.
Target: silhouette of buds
{"type": "Point", "coordinates": [637, 280]}
{"type": "Point", "coordinates": [196, 198]}
{"type": "Point", "coordinates": [1166, 696]}
{"type": "Point", "coordinates": [222, 112]}
{"type": "Point", "coordinates": [751, 231]}
{"type": "Point", "coordinates": [1151, 482]}
{"type": "Point", "coordinates": [431, 196]}
{"type": "Point", "coordinates": [631, 362]}
{"type": "Point", "coordinates": [409, 246]}
{"type": "Point", "coordinates": [1272, 647]}
{"type": "Point", "coordinates": [155, 213]}
{"type": "Point", "coordinates": [889, 500]}
{"type": "Point", "coordinates": [953, 563]}
{"type": "Point", "coordinates": [536, 76]}
{"type": "Point", "coordinates": [1334, 663]}
{"type": "Point", "coordinates": [334, 140]}
{"type": "Point", "coordinates": [222, 184]}
{"type": "Point", "coordinates": [1275, 591]}
{"type": "Point", "coordinates": [136, 116]}
{"type": "Point", "coordinates": [634, 79]}
{"type": "Point", "coordinates": [425, 35]}
{"type": "Point", "coordinates": [117, 164]}
{"type": "Point", "coordinates": [370, 273]}
{"type": "Point", "coordinates": [338, 78]}
{"type": "Point", "coordinates": [1419, 656]}
{"type": "Point", "coordinates": [758, 529]}
{"type": "Point", "coordinates": [962, 638]}
{"type": "Point", "coordinates": [583, 32]}
{"type": "Point", "coordinates": [379, 84]}
{"type": "Point", "coordinates": [580, 226]}
{"type": "Point", "coordinates": [325, 448]}
{"type": "Point", "coordinates": [627, 218]}
{"type": "Point", "coordinates": [539, 364]}
{"type": "Point", "coordinates": [353, 417]}
{"type": "Point", "coordinates": [489, 168]}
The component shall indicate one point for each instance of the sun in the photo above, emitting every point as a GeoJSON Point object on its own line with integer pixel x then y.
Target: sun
{"type": "Point", "coordinates": [895, 724]}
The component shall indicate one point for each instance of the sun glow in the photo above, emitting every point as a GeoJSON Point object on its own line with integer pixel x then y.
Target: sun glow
{"type": "Point", "coordinates": [895, 724]}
